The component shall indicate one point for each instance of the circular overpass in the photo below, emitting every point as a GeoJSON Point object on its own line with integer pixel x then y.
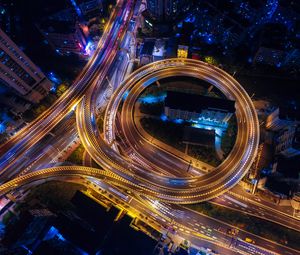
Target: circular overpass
{"type": "Point", "coordinates": [177, 190]}
{"type": "Point", "coordinates": [129, 175]}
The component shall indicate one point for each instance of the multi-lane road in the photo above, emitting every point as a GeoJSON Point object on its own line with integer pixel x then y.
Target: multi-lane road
{"type": "Point", "coordinates": [184, 190]}
{"type": "Point", "coordinates": [14, 149]}
{"type": "Point", "coordinates": [172, 189]}
{"type": "Point", "coordinates": [118, 169]}
{"type": "Point", "coordinates": [188, 224]}
{"type": "Point", "coordinates": [162, 161]}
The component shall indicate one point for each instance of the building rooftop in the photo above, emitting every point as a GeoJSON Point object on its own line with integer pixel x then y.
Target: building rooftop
{"type": "Point", "coordinates": [289, 167]}
{"type": "Point", "coordinates": [296, 138]}
{"type": "Point", "coordinates": [289, 113]}
{"type": "Point", "coordinates": [58, 26]}
{"type": "Point", "coordinates": [32, 227]}
{"type": "Point", "coordinates": [197, 103]}
{"type": "Point", "coordinates": [199, 136]}
{"type": "Point", "coordinates": [182, 251]}
{"type": "Point", "coordinates": [148, 47]}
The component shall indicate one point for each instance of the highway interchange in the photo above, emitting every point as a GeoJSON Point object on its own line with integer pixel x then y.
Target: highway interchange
{"type": "Point", "coordinates": [119, 170]}
{"type": "Point", "coordinates": [179, 190]}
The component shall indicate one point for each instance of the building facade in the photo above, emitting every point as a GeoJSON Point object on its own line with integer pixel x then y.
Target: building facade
{"type": "Point", "coordinates": [147, 48]}
{"type": "Point", "coordinates": [283, 125]}
{"type": "Point", "coordinates": [268, 56]}
{"type": "Point", "coordinates": [282, 118]}
{"type": "Point", "coordinates": [65, 37]}
{"type": "Point", "coordinates": [156, 8]}
{"type": "Point", "coordinates": [19, 73]}
{"type": "Point", "coordinates": [192, 107]}
{"type": "Point", "coordinates": [165, 9]}
{"type": "Point", "coordinates": [90, 8]}
{"type": "Point", "coordinates": [287, 141]}
{"type": "Point", "coordinates": [182, 51]}
{"type": "Point", "coordinates": [293, 59]}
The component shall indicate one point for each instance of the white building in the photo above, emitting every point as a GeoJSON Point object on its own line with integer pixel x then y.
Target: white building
{"type": "Point", "coordinates": [19, 73]}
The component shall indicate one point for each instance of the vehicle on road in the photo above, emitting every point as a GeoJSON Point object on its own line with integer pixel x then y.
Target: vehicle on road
{"type": "Point", "coordinates": [249, 240]}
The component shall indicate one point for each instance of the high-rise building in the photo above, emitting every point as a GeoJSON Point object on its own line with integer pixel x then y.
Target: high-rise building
{"type": "Point", "coordinates": [89, 8]}
{"type": "Point", "coordinates": [65, 37]}
{"type": "Point", "coordinates": [292, 59]}
{"type": "Point", "coordinates": [156, 8]}
{"type": "Point", "coordinates": [268, 56]}
{"type": "Point", "coordinates": [146, 56]}
{"type": "Point", "coordinates": [173, 7]}
{"type": "Point", "coordinates": [287, 141]}
{"type": "Point", "coordinates": [283, 127]}
{"type": "Point", "coordinates": [165, 9]}
{"type": "Point", "coordinates": [282, 117]}
{"type": "Point", "coordinates": [19, 73]}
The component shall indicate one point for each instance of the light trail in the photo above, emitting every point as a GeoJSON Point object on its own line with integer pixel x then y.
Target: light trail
{"type": "Point", "coordinates": [174, 190]}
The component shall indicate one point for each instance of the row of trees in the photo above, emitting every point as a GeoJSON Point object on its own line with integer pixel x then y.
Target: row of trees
{"type": "Point", "coordinates": [171, 133]}
{"type": "Point", "coordinates": [229, 136]}
{"type": "Point", "coordinates": [152, 108]}
{"type": "Point", "coordinates": [38, 109]}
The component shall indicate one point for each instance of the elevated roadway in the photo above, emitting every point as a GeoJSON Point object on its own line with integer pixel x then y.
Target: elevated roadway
{"type": "Point", "coordinates": [14, 149]}
{"type": "Point", "coordinates": [156, 157]}
{"type": "Point", "coordinates": [117, 169]}
{"type": "Point", "coordinates": [197, 226]}
{"type": "Point", "coordinates": [171, 189]}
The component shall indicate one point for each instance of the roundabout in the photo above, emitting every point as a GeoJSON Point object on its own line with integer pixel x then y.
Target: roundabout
{"type": "Point", "coordinates": [169, 189]}
{"type": "Point", "coordinates": [120, 171]}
